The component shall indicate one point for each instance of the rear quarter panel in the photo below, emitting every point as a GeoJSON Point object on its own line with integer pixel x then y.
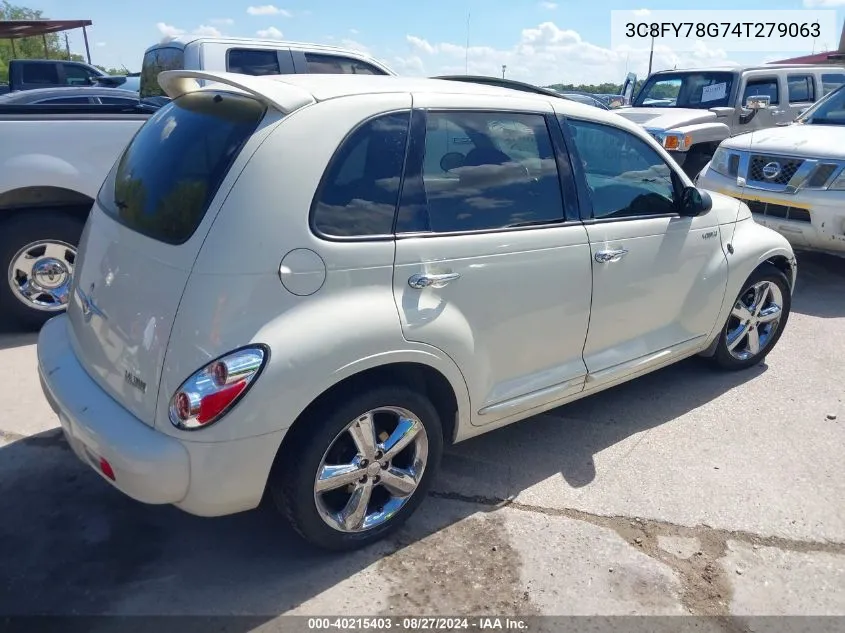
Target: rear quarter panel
{"type": "Point", "coordinates": [235, 295]}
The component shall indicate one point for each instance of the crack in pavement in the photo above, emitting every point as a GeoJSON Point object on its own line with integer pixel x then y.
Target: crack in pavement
{"type": "Point", "coordinates": [706, 588]}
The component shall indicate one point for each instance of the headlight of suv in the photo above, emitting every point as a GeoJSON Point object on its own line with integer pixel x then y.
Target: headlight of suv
{"type": "Point", "coordinates": [719, 162]}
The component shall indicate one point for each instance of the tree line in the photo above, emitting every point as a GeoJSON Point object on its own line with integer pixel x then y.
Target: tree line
{"type": "Point", "coordinates": [33, 47]}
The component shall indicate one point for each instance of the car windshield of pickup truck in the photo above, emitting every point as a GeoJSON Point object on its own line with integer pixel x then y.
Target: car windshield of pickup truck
{"type": "Point", "coordinates": [162, 185]}
{"type": "Point", "coordinates": [829, 110]}
{"type": "Point", "coordinates": [686, 90]}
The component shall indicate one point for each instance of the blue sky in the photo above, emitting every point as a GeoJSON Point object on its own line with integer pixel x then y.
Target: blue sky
{"type": "Point", "coordinates": [543, 42]}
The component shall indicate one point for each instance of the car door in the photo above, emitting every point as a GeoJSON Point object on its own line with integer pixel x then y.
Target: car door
{"type": "Point", "coordinates": [492, 263]}
{"type": "Point", "coordinates": [658, 278]}
{"type": "Point", "coordinates": [802, 92]}
{"type": "Point", "coordinates": [767, 85]}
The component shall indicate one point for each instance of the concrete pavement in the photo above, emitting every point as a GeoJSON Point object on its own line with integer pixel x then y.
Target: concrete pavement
{"type": "Point", "coordinates": [686, 491]}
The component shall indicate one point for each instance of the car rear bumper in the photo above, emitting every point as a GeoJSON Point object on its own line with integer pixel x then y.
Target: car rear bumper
{"type": "Point", "coordinates": [206, 479]}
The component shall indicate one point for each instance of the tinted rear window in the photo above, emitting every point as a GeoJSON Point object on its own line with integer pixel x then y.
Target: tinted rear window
{"type": "Point", "coordinates": [167, 177]}
{"type": "Point", "coordinates": [156, 61]}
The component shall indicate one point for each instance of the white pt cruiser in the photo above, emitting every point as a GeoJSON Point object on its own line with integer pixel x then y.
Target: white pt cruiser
{"type": "Point", "coordinates": [307, 285]}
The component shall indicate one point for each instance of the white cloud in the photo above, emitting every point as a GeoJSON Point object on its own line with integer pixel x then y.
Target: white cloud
{"type": "Point", "coordinates": [222, 21]}
{"type": "Point", "coordinates": [551, 6]}
{"type": "Point", "coordinates": [355, 46]}
{"type": "Point", "coordinates": [642, 12]}
{"type": "Point", "coordinates": [100, 44]}
{"type": "Point", "coordinates": [170, 32]}
{"type": "Point", "coordinates": [207, 31]}
{"type": "Point", "coordinates": [271, 33]}
{"type": "Point", "coordinates": [419, 44]}
{"type": "Point", "coordinates": [354, 31]}
{"type": "Point", "coordinates": [268, 9]}
{"type": "Point", "coordinates": [547, 54]}
{"type": "Point", "coordinates": [823, 4]}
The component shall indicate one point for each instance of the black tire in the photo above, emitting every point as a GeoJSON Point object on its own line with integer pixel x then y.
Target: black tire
{"type": "Point", "coordinates": [26, 227]}
{"type": "Point", "coordinates": [723, 357]}
{"type": "Point", "coordinates": [291, 483]}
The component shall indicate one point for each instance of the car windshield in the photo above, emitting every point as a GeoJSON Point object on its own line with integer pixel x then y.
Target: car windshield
{"type": "Point", "coordinates": [686, 90]}
{"type": "Point", "coordinates": [828, 111]}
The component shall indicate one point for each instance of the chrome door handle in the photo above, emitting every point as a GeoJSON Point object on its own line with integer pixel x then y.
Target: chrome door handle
{"type": "Point", "coordinates": [605, 257]}
{"type": "Point", "coordinates": [420, 281]}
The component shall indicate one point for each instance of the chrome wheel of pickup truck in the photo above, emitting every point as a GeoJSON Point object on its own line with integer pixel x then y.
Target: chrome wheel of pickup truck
{"type": "Point", "coordinates": [40, 275]}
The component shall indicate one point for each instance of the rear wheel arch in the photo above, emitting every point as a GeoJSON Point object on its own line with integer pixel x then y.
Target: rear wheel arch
{"type": "Point", "coordinates": [421, 377]}
{"type": "Point", "coordinates": [40, 199]}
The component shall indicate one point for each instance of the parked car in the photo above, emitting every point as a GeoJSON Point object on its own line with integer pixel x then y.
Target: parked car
{"type": "Point", "coordinates": [525, 87]}
{"type": "Point", "coordinates": [793, 177]}
{"type": "Point", "coordinates": [131, 81]}
{"type": "Point", "coordinates": [691, 111]}
{"type": "Point", "coordinates": [80, 95]}
{"type": "Point", "coordinates": [53, 159]}
{"type": "Point", "coordinates": [252, 57]}
{"type": "Point", "coordinates": [28, 74]}
{"type": "Point", "coordinates": [319, 324]}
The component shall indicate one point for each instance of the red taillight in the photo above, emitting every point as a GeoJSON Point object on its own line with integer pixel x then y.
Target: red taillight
{"type": "Point", "coordinates": [214, 404]}
{"type": "Point", "coordinates": [106, 468]}
{"type": "Point", "coordinates": [213, 390]}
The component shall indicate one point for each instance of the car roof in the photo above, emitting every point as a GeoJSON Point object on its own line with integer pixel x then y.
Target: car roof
{"type": "Point", "coordinates": [69, 91]}
{"type": "Point", "coordinates": [749, 67]}
{"type": "Point", "coordinates": [183, 41]}
{"type": "Point", "coordinates": [307, 88]}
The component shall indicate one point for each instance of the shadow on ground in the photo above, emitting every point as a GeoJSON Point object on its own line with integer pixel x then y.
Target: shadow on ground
{"type": "Point", "coordinates": [70, 543]}
{"type": "Point", "coordinates": [15, 337]}
{"type": "Point", "coordinates": [819, 289]}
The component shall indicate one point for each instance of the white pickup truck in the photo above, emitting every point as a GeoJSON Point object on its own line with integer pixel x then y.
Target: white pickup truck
{"type": "Point", "coordinates": [54, 159]}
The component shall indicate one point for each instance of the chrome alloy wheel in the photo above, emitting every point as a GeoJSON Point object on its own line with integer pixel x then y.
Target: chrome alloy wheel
{"type": "Point", "coordinates": [371, 469]}
{"type": "Point", "coordinates": [754, 320]}
{"type": "Point", "coordinates": [40, 275]}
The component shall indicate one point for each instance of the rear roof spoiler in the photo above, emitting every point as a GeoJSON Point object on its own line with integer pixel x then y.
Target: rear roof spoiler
{"type": "Point", "coordinates": [273, 93]}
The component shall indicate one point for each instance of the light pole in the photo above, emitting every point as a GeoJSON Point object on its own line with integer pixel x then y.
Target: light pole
{"type": "Point", "coordinates": [504, 68]}
{"type": "Point", "coordinates": [650, 57]}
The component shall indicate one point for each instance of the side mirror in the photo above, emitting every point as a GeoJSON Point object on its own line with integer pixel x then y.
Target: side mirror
{"type": "Point", "coordinates": [695, 202]}
{"type": "Point", "coordinates": [758, 102]}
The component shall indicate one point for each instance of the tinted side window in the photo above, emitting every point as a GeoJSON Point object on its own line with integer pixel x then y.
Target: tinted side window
{"type": "Point", "coordinates": [626, 176]}
{"type": "Point", "coordinates": [831, 81]}
{"type": "Point", "coordinates": [163, 183]}
{"type": "Point", "coordinates": [156, 61]}
{"type": "Point", "coordinates": [764, 86]}
{"type": "Point", "coordinates": [46, 74]}
{"type": "Point", "coordinates": [118, 101]}
{"type": "Point", "coordinates": [489, 170]}
{"type": "Point", "coordinates": [802, 88]}
{"type": "Point", "coordinates": [360, 190]}
{"type": "Point", "coordinates": [66, 100]}
{"type": "Point", "coordinates": [252, 62]}
{"type": "Point", "coordinates": [336, 65]}
{"type": "Point", "coordinates": [77, 75]}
